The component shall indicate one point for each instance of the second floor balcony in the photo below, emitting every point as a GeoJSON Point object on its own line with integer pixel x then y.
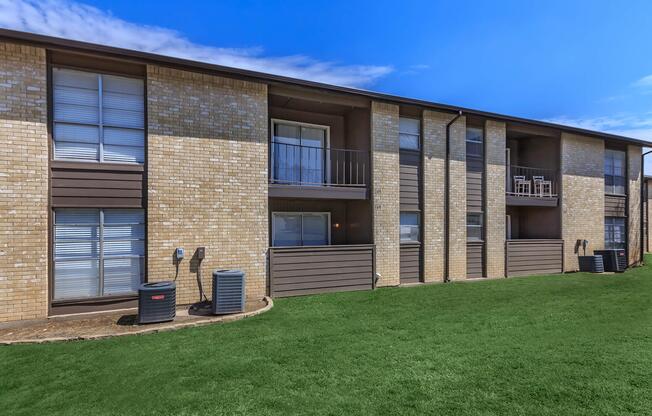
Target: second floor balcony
{"type": "Point", "coordinates": [304, 171]}
{"type": "Point", "coordinates": [527, 186]}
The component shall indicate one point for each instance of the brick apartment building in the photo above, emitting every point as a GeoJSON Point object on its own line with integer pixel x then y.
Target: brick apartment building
{"type": "Point", "coordinates": [114, 158]}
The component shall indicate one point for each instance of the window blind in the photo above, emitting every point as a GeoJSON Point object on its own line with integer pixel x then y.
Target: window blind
{"type": "Point", "coordinates": [98, 117]}
{"type": "Point", "coordinates": [98, 252]}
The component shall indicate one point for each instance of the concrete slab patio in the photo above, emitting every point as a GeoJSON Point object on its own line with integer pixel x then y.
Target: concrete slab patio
{"type": "Point", "coordinates": [112, 324]}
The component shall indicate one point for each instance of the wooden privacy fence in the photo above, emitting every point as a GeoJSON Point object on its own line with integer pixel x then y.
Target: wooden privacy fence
{"type": "Point", "coordinates": [410, 263]}
{"type": "Point", "coordinates": [474, 259]}
{"type": "Point", "coordinates": [528, 257]}
{"type": "Point", "coordinates": [319, 269]}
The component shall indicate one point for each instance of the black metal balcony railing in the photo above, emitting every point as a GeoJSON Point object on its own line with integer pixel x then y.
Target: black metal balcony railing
{"type": "Point", "coordinates": [292, 164]}
{"type": "Point", "coordinates": [534, 182]}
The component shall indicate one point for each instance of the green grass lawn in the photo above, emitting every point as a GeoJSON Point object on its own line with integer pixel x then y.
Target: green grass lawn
{"type": "Point", "coordinates": [575, 344]}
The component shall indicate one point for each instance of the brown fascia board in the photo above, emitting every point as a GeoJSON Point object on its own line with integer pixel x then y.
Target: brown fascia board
{"type": "Point", "coordinates": [54, 43]}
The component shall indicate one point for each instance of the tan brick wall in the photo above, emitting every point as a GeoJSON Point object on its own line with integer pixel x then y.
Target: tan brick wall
{"type": "Point", "coordinates": [458, 200]}
{"type": "Point", "coordinates": [634, 203]}
{"type": "Point", "coordinates": [207, 178]}
{"type": "Point", "coordinates": [434, 168]}
{"type": "Point", "coordinates": [495, 140]}
{"type": "Point", "coordinates": [385, 191]}
{"type": "Point", "coordinates": [649, 213]}
{"type": "Point", "coordinates": [582, 199]}
{"type": "Point", "coordinates": [23, 183]}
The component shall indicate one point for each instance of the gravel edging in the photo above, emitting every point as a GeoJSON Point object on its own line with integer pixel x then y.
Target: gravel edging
{"type": "Point", "coordinates": [172, 326]}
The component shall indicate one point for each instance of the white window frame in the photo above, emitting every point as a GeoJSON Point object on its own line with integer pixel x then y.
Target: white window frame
{"type": "Point", "coordinates": [418, 226]}
{"type": "Point", "coordinates": [101, 125]}
{"type": "Point", "coordinates": [301, 214]}
{"type": "Point", "coordinates": [611, 154]}
{"type": "Point", "coordinates": [508, 170]}
{"type": "Point", "coordinates": [327, 143]}
{"type": "Point", "coordinates": [101, 257]}
{"type": "Point", "coordinates": [418, 136]}
{"type": "Point", "coordinates": [480, 142]}
{"type": "Point", "coordinates": [508, 222]}
{"type": "Point", "coordinates": [612, 233]}
{"type": "Point", "coordinates": [480, 226]}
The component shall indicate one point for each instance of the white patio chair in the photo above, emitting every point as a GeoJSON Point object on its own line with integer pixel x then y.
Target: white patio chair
{"type": "Point", "coordinates": [542, 187]}
{"type": "Point", "coordinates": [522, 186]}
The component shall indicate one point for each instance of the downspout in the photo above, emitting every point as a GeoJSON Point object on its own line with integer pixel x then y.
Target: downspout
{"type": "Point", "coordinates": [643, 206]}
{"type": "Point", "coordinates": [447, 215]}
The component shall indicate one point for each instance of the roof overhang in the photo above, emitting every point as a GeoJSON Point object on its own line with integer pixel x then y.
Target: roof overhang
{"type": "Point", "coordinates": [54, 43]}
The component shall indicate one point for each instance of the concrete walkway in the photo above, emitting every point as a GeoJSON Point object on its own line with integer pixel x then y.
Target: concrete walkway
{"type": "Point", "coordinates": [114, 324]}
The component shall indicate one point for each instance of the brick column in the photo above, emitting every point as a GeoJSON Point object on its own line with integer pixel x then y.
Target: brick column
{"type": "Point", "coordinates": [582, 195]}
{"type": "Point", "coordinates": [634, 203]}
{"type": "Point", "coordinates": [207, 178]}
{"type": "Point", "coordinates": [457, 207]}
{"type": "Point", "coordinates": [495, 141]}
{"type": "Point", "coordinates": [23, 183]}
{"type": "Point", "coordinates": [434, 165]}
{"type": "Point", "coordinates": [385, 191]}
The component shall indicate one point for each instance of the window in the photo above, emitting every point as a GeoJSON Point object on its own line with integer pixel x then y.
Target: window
{"type": "Point", "coordinates": [410, 227]}
{"type": "Point", "coordinates": [508, 222]}
{"type": "Point", "coordinates": [299, 153]}
{"type": "Point", "coordinates": [300, 229]}
{"type": "Point", "coordinates": [614, 172]}
{"type": "Point", "coordinates": [474, 142]}
{"type": "Point", "coordinates": [615, 233]}
{"type": "Point", "coordinates": [98, 117]}
{"type": "Point", "coordinates": [474, 226]}
{"type": "Point", "coordinates": [409, 132]}
{"type": "Point", "coordinates": [98, 252]}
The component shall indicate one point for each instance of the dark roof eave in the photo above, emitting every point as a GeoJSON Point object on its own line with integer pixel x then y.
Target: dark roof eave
{"type": "Point", "coordinates": [51, 42]}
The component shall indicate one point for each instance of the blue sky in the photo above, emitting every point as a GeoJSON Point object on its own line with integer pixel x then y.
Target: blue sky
{"type": "Point", "coordinates": [583, 63]}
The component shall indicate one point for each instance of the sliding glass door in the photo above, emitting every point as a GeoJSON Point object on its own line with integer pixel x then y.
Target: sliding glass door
{"type": "Point", "coordinates": [299, 153]}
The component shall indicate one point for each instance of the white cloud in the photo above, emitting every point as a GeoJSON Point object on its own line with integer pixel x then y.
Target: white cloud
{"type": "Point", "coordinates": [645, 82]}
{"type": "Point", "coordinates": [637, 127]}
{"type": "Point", "coordinates": [78, 21]}
{"type": "Point", "coordinates": [634, 126]}
{"type": "Point", "coordinates": [415, 69]}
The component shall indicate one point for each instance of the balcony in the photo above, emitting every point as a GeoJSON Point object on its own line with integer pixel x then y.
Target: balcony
{"type": "Point", "coordinates": [528, 186]}
{"type": "Point", "coordinates": [299, 171]}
